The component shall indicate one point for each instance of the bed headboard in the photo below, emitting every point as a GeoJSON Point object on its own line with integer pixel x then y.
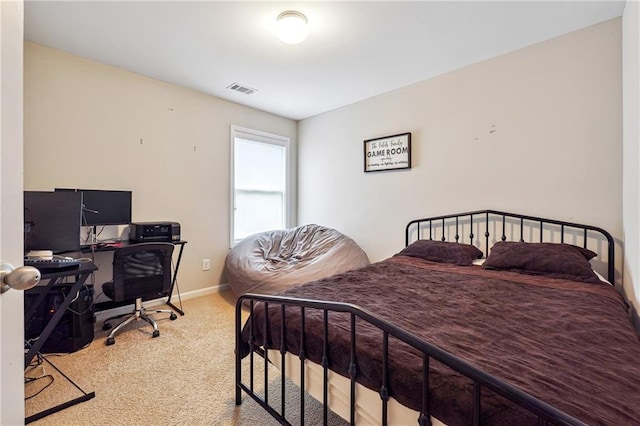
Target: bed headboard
{"type": "Point", "coordinates": [483, 228]}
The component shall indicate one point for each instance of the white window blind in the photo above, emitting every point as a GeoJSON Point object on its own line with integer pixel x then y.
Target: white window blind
{"type": "Point", "coordinates": [260, 182]}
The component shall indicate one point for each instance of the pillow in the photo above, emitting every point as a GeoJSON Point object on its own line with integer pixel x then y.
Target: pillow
{"type": "Point", "coordinates": [555, 260]}
{"type": "Point", "coordinates": [442, 251]}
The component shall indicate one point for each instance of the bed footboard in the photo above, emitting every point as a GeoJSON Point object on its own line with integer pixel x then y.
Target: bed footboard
{"type": "Point", "coordinates": [544, 412]}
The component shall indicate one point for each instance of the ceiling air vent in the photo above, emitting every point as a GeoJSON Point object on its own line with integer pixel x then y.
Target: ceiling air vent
{"type": "Point", "coordinates": [242, 89]}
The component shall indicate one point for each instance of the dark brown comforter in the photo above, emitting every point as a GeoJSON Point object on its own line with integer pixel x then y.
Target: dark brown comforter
{"type": "Point", "coordinates": [567, 343]}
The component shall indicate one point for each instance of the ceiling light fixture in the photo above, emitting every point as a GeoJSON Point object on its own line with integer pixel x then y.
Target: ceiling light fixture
{"type": "Point", "coordinates": [292, 27]}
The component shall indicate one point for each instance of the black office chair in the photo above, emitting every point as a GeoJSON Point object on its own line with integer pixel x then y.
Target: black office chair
{"type": "Point", "coordinates": [140, 272]}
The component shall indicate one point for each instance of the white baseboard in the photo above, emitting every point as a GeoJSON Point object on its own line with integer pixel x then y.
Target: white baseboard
{"type": "Point", "coordinates": [201, 292]}
{"type": "Point", "coordinates": [175, 299]}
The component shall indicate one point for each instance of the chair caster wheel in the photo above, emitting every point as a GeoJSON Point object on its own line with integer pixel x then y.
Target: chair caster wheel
{"type": "Point", "coordinates": [110, 341]}
{"type": "Point", "coordinates": [106, 326]}
{"type": "Point", "coordinates": [156, 333]}
{"type": "Point", "coordinates": [172, 316]}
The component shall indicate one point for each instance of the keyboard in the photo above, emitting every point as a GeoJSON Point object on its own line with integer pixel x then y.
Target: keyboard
{"type": "Point", "coordinates": [52, 264]}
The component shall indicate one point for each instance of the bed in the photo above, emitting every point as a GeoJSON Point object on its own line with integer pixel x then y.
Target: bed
{"type": "Point", "coordinates": [512, 341]}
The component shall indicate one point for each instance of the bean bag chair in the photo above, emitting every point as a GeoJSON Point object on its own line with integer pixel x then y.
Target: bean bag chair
{"type": "Point", "coordinates": [272, 261]}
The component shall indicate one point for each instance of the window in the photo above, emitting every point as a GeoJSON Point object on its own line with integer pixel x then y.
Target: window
{"type": "Point", "coordinates": [260, 194]}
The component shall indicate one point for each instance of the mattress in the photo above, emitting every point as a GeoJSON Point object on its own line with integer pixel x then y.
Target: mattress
{"type": "Point", "coordinates": [581, 349]}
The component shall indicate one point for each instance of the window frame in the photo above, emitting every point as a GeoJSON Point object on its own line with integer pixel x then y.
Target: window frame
{"type": "Point", "coordinates": [267, 138]}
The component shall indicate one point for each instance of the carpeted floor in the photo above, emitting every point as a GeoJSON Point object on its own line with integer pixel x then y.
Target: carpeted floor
{"type": "Point", "coordinates": [183, 377]}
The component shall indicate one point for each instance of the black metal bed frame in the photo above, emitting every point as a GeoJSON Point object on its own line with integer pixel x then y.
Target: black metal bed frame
{"type": "Point", "coordinates": [454, 226]}
{"type": "Point", "coordinates": [460, 223]}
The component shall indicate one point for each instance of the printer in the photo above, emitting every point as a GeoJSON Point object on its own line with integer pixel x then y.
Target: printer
{"type": "Point", "coordinates": [143, 232]}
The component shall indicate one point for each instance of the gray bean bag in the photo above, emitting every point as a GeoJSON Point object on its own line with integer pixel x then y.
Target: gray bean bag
{"type": "Point", "coordinates": [272, 261]}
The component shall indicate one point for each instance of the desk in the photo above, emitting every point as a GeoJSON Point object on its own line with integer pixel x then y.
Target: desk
{"type": "Point", "coordinates": [124, 243]}
{"type": "Point", "coordinates": [55, 278]}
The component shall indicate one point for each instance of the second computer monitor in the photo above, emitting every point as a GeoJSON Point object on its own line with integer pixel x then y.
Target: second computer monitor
{"type": "Point", "coordinates": [104, 207]}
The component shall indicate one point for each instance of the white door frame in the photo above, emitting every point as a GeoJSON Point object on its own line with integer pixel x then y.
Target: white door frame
{"type": "Point", "coordinates": [11, 204]}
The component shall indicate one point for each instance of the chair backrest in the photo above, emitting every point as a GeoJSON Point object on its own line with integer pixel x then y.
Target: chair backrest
{"type": "Point", "coordinates": [142, 270]}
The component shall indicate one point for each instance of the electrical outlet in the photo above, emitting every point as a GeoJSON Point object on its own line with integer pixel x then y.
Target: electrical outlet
{"type": "Point", "coordinates": [206, 264]}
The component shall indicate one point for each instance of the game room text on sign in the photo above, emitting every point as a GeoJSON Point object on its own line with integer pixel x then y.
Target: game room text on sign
{"type": "Point", "coordinates": [388, 153]}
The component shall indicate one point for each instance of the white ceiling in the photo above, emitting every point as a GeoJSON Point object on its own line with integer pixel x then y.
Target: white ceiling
{"type": "Point", "coordinates": [355, 50]}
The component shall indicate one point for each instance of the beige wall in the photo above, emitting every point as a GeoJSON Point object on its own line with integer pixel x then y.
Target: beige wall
{"type": "Point", "coordinates": [93, 126]}
{"type": "Point", "coordinates": [535, 131]}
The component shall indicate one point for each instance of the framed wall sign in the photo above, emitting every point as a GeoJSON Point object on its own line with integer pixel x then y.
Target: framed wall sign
{"type": "Point", "coordinates": [388, 153]}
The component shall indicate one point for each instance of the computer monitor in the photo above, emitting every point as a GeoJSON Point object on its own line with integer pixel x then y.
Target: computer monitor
{"type": "Point", "coordinates": [104, 207]}
{"type": "Point", "coordinates": [52, 221]}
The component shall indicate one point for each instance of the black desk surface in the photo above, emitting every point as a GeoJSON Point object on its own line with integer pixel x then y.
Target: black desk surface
{"type": "Point", "coordinates": [83, 267]}
{"type": "Point", "coordinates": [116, 244]}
